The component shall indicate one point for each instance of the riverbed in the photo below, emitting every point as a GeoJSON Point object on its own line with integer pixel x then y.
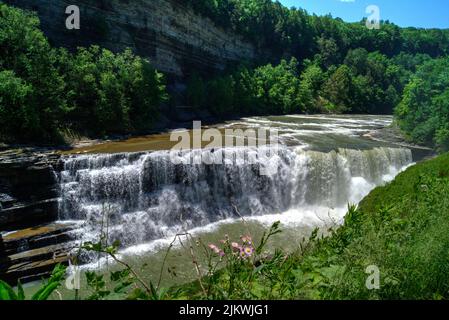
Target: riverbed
{"type": "Point", "coordinates": [144, 200]}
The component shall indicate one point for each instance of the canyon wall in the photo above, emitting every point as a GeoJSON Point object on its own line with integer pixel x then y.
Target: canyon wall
{"type": "Point", "coordinates": [169, 33]}
{"type": "Point", "coordinates": [28, 188]}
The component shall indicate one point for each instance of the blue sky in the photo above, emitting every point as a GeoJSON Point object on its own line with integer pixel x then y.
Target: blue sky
{"type": "Point", "coordinates": [405, 13]}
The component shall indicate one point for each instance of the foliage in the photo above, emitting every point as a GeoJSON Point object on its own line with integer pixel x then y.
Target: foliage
{"type": "Point", "coordinates": [277, 87]}
{"type": "Point", "coordinates": [338, 89]}
{"type": "Point", "coordinates": [342, 68]}
{"type": "Point", "coordinates": [266, 89]}
{"type": "Point", "coordinates": [381, 62]}
{"type": "Point", "coordinates": [366, 82]}
{"type": "Point", "coordinates": [401, 228]}
{"type": "Point", "coordinates": [45, 90]}
{"type": "Point", "coordinates": [283, 32]}
{"type": "Point", "coordinates": [27, 63]}
{"type": "Point", "coordinates": [16, 113]}
{"type": "Point", "coordinates": [110, 93]}
{"type": "Point", "coordinates": [49, 286]}
{"type": "Point", "coordinates": [423, 112]}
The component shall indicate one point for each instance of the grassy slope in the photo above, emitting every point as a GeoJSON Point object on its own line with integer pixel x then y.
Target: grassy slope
{"type": "Point", "coordinates": [402, 228]}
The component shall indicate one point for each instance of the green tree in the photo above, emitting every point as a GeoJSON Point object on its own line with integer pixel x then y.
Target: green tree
{"type": "Point", "coordinates": [328, 52]}
{"type": "Point", "coordinates": [338, 90]}
{"type": "Point", "coordinates": [278, 87]}
{"type": "Point", "coordinates": [423, 112]}
{"type": "Point", "coordinates": [18, 115]}
{"type": "Point", "coordinates": [25, 51]}
{"type": "Point", "coordinates": [312, 80]}
{"type": "Point", "coordinates": [111, 93]}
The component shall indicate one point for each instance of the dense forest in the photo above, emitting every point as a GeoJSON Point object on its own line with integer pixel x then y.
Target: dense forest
{"type": "Point", "coordinates": [281, 31]}
{"type": "Point", "coordinates": [45, 91]}
{"type": "Point", "coordinates": [307, 64]}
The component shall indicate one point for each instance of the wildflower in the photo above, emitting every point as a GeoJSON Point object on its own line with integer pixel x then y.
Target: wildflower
{"type": "Point", "coordinates": [246, 239]}
{"type": "Point", "coordinates": [221, 253]}
{"type": "Point", "coordinates": [248, 251]}
{"type": "Point", "coordinates": [236, 246]}
{"type": "Point", "coordinates": [214, 248]}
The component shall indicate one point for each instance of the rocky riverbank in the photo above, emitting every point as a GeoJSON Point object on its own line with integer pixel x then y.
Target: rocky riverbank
{"type": "Point", "coordinates": [28, 188]}
{"type": "Point", "coordinates": [393, 134]}
{"type": "Point", "coordinates": [31, 244]}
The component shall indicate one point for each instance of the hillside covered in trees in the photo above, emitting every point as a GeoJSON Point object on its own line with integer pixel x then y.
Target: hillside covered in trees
{"type": "Point", "coordinates": [306, 64]}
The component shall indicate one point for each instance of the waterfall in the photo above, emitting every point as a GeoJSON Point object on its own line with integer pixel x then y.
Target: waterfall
{"type": "Point", "coordinates": [145, 194]}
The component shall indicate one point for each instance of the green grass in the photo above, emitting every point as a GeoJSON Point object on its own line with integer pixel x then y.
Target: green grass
{"type": "Point", "coordinates": [402, 228]}
{"type": "Point", "coordinates": [405, 184]}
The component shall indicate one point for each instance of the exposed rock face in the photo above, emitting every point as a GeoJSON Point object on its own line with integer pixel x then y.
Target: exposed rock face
{"type": "Point", "coordinates": [29, 192]}
{"type": "Point", "coordinates": [28, 189]}
{"type": "Point", "coordinates": [32, 253]}
{"type": "Point", "coordinates": [176, 39]}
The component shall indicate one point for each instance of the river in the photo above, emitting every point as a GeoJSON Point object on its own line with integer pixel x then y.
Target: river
{"type": "Point", "coordinates": [132, 191]}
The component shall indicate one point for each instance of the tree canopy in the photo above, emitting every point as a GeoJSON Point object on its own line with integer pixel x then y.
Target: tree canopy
{"type": "Point", "coordinates": [93, 91]}
{"type": "Point", "coordinates": [306, 64]}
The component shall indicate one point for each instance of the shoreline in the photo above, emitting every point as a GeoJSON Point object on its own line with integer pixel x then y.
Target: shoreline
{"type": "Point", "coordinates": [391, 134]}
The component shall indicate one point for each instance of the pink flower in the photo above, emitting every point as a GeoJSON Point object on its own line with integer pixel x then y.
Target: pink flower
{"type": "Point", "coordinates": [236, 246]}
{"type": "Point", "coordinates": [221, 253]}
{"type": "Point", "coordinates": [246, 239]}
{"type": "Point", "coordinates": [214, 248]}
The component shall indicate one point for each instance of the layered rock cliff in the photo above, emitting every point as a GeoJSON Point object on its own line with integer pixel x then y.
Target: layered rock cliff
{"type": "Point", "coordinates": [28, 188]}
{"type": "Point", "coordinates": [170, 34]}
{"type": "Point", "coordinates": [29, 195]}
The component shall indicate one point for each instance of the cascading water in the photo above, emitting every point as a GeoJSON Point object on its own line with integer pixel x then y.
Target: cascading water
{"type": "Point", "coordinates": [146, 196]}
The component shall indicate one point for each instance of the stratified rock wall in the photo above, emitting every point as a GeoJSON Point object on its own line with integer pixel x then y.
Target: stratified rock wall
{"type": "Point", "coordinates": [29, 189]}
{"type": "Point", "coordinates": [173, 36]}
{"type": "Point", "coordinates": [29, 198]}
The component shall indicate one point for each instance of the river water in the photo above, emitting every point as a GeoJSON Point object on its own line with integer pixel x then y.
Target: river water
{"type": "Point", "coordinates": [133, 191]}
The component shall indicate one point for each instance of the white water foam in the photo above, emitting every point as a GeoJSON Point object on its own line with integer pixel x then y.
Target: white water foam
{"type": "Point", "coordinates": [147, 198]}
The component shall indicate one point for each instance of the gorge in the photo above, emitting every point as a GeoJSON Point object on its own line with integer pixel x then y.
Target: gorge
{"type": "Point", "coordinates": [112, 171]}
{"type": "Point", "coordinates": [177, 40]}
{"type": "Point", "coordinates": [325, 162]}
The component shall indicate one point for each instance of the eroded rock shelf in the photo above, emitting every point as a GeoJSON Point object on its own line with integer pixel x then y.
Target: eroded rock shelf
{"type": "Point", "coordinates": [32, 253]}
{"type": "Point", "coordinates": [31, 244]}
